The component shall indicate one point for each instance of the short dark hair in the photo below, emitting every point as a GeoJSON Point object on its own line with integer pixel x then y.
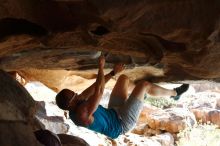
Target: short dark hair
{"type": "Point", "coordinates": [62, 99]}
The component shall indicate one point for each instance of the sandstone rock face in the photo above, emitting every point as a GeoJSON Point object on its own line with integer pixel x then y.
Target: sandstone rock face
{"type": "Point", "coordinates": [16, 113]}
{"type": "Point", "coordinates": [144, 129]}
{"type": "Point", "coordinates": [200, 100]}
{"type": "Point", "coordinates": [205, 106]}
{"type": "Point", "coordinates": [172, 120]}
{"type": "Point", "coordinates": [180, 39]}
{"type": "Point", "coordinates": [60, 79]}
{"type": "Point", "coordinates": [207, 115]}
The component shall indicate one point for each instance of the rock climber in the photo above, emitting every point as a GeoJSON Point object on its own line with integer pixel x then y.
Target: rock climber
{"type": "Point", "coordinates": [123, 109]}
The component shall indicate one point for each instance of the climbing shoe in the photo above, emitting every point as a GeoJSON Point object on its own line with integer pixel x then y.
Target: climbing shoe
{"type": "Point", "coordinates": [180, 90]}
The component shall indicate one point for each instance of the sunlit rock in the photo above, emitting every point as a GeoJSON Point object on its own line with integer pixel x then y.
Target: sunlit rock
{"type": "Point", "coordinates": [53, 123]}
{"type": "Point", "coordinates": [130, 139]}
{"type": "Point", "coordinates": [145, 130]}
{"type": "Point", "coordinates": [172, 120]}
{"type": "Point", "coordinates": [200, 100]}
{"type": "Point", "coordinates": [205, 106]}
{"type": "Point", "coordinates": [59, 79]}
{"type": "Point", "coordinates": [210, 87]}
{"type": "Point", "coordinates": [218, 103]}
{"type": "Point", "coordinates": [207, 115]}
{"type": "Point", "coordinates": [142, 127]}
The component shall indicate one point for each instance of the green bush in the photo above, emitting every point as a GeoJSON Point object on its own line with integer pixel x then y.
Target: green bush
{"type": "Point", "coordinates": [160, 102]}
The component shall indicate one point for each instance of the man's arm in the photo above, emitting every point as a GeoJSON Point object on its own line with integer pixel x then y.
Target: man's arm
{"type": "Point", "coordinates": [93, 102]}
{"type": "Point", "coordinates": [91, 90]}
{"type": "Point", "coordinates": [86, 109]}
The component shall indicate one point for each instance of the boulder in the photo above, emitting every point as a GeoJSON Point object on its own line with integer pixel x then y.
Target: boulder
{"type": "Point", "coordinates": [207, 115]}
{"type": "Point", "coordinates": [47, 138]}
{"type": "Point", "coordinates": [69, 140]}
{"type": "Point", "coordinates": [142, 127]}
{"type": "Point", "coordinates": [200, 100]}
{"type": "Point", "coordinates": [172, 120]}
{"type": "Point", "coordinates": [17, 109]}
{"type": "Point", "coordinates": [204, 105]}
{"type": "Point", "coordinates": [145, 130]}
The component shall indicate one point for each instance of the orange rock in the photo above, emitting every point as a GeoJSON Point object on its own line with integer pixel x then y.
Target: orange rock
{"type": "Point", "coordinates": [172, 120]}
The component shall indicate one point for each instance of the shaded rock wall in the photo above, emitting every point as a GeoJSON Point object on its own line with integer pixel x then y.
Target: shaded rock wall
{"type": "Point", "coordinates": [16, 113]}
{"type": "Point", "coordinates": [179, 37]}
{"type": "Point", "coordinates": [17, 117]}
{"type": "Point", "coordinates": [69, 140]}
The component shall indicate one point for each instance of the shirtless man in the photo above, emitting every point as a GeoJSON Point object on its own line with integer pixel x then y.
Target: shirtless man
{"type": "Point", "coordinates": [123, 110]}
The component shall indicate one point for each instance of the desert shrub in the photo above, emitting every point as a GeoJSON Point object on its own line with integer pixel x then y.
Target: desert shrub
{"type": "Point", "coordinates": [199, 135]}
{"type": "Point", "coordinates": [160, 102]}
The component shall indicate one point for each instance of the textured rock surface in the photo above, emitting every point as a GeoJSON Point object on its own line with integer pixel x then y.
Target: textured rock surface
{"type": "Point", "coordinates": [207, 115]}
{"type": "Point", "coordinates": [53, 123]}
{"type": "Point", "coordinates": [69, 140]}
{"type": "Point", "coordinates": [172, 119]}
{"type": "Point", "coordinates": [47, 138]}
{"type": "Point", "coordinates": [205, 106]}
{"type": "Point", "coordinates": [179, 38]}
{"type": "Point", "coordinates": [130, 139]}
{"type": "Point", "coordinates": [79, 80]}
{"type": "Point", "coordinates": [16, 113]}
{"type": "Point", "coordinates": [210, 87]}
{"type": "Point", "coordinates": [59, 79]}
